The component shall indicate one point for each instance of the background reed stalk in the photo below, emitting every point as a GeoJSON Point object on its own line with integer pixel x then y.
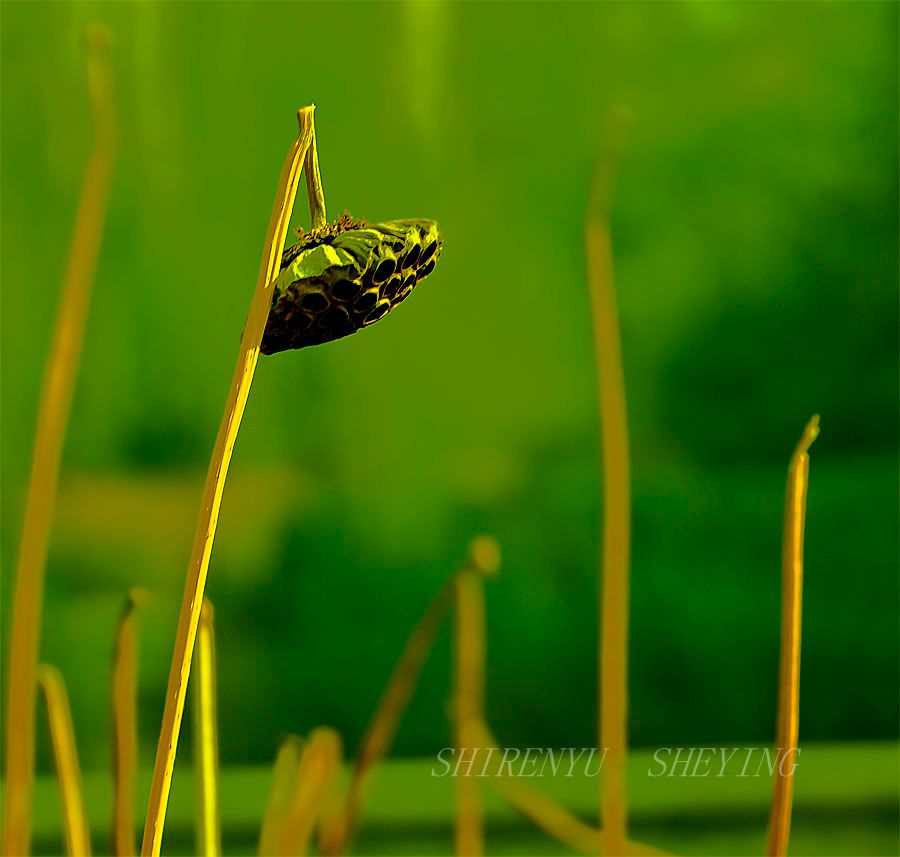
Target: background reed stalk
{"type": "Point", "coordinates": [65, 753]}
{"type": "Point", "coordinates": [319, 765]}
{"type": "Point", "coordinates": [614, 569]}
{"type": "Point", "coordinates": [469, 709]}
{"type": "Point", "coordinates": [53, 414]}
{"type": "Point", "coordinates": [788, 718]}
{"type": "Point", "coordinates": [470, 647]}
{"type": "Point", "coordinates": [124, 725]}
{"type": "Point", "coordinates": [284, 775]}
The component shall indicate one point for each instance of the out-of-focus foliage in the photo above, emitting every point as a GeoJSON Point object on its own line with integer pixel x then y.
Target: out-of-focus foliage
{"type": "Point", "coordinates": [755, 228]}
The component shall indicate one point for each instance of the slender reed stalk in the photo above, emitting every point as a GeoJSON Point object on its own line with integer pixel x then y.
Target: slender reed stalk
{"type": "Point", "coordinates": [614, 571]}
{"type": "Point", "coordinates": [124, 723]}
{"type": "Point", "coordinates": [320, 763]}
{"type": "Point", "coordinates": [53, 413]}
{"type": "Point", "coordinates": [206, 744]}
{"type": "Point", "coordinates": [788, 719]}
{"type": "Point", "coordinates": [401, 685]}
{"type": "Point", "coordinates": [65, 753]}
{"type": "Point", "coordinates": [215, 480]}
{"type": "Point", "coordinates": [284, 775]}
{"type": "Point", "coordinates": [469, 661]}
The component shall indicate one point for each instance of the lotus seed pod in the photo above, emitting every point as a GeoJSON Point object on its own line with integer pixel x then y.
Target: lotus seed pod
{"type": "Point", "coordinates": [347, 275]}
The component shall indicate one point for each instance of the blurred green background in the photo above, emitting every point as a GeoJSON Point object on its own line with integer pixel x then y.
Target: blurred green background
{"type": "Point", "coordinates": [756, 239]}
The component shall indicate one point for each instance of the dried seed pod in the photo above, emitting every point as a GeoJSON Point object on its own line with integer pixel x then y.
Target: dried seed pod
{"type": "Point", "coordinates": [346, 275]}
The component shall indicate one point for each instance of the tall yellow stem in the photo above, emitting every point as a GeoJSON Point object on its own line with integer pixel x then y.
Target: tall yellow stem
{"type": "Point", "coordinates": [206, 739]}
{"type": "Point", "coordinates": [68, 771]}
{"type": "Point", "coordinates": [215, 483]}
{"type": "Point", "coordinates": [788, 717]}
{"type": "Point", "coordinates": [614, 572]}
{"type": "Point", "coordinates": [53, 413]}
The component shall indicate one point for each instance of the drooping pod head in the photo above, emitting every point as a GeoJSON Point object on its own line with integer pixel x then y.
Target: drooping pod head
{"type": "Point", "coordinates": [345, 276]}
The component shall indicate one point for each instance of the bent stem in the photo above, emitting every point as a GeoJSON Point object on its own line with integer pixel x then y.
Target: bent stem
{"type": "Point", "coordinates": [215, 483]}
{"type": "Point", "coordinates": [555, 820]}
{"type": "Point", "coordinates": [53, 414]}
{"type": "Point", "coordinates": [546, 814]}
{"type": "Point", "coordinates": [788, 718]}
{"type": "Point", "coordinates": [383, 725]}
{"type": "Point", "coordinates": [68, 772]}
{"type": "Point", "coordinates": [614, 570]}
{"type": "Point", "coordinates": [124, 723]}
{"type": "Point", "coordinates": [206, 744]}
